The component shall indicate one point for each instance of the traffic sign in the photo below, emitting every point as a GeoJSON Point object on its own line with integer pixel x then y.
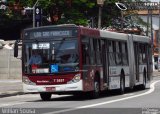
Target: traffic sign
{"type": "Point", "coordinates": [37, 11]}
{"type": "Point", "coordinates": [38, 16]}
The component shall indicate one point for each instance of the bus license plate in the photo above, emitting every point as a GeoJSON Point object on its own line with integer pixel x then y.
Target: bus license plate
{"type": "Point", "coordinates": [50, 88]}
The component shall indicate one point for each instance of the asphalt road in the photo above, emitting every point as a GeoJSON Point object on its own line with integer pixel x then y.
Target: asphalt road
{"type": "Point", "coordinates": [132, 102]}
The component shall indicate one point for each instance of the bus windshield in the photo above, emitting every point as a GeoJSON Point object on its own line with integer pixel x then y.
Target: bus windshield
{"type": "Point", "coordinates": [51, 57]}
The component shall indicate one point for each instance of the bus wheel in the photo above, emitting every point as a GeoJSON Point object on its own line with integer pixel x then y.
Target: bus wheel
{"type": "Point", "coordinates": [122, 85]}
{"type": "Point", "coordinates": [95, 93]}
{"type": "Point", "coordinates": [45, 96]}
{"type": "Point", "coordinates": [144, 81]}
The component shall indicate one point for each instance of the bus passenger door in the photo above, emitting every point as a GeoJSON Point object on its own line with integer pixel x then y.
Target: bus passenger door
{"type": "Point", "coordinates": [149, 62]}
{"type": "Point", "coordinates": [104, 62]}
{"type": "Point", "coordinates": [136, 53]}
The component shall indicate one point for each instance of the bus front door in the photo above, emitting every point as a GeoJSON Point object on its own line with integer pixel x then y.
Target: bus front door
{"type": "Point", "coordinates": [136, 51]}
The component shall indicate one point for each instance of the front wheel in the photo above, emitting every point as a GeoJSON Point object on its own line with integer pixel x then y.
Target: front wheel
{"type": "Point", "coordinates": [45, 96]}
{"type": "Point", "coordinates": [96, 92]}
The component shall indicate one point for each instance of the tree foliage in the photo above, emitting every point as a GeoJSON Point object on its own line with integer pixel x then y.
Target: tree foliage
{"type": "Point", "coordinates": [61, 11]}
{"type": "Point", "coordinates": [79, 12]}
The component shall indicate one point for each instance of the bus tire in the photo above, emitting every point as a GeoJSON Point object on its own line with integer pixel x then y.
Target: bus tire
{"type": "Point", "coordinates": [96, 92]}
{"type": "Point", "coordinates": [45, 96]}
{"type": "Point", "coordinates": [122, 84]}
{"type": "Point", "coordinates": [144, 81]}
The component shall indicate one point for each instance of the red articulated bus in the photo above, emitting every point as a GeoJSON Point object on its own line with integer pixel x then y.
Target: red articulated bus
{"type": "Point", "coordinates": [74, 59]}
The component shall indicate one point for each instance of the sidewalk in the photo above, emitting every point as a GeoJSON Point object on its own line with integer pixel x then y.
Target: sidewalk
{"type": "Point", "coordinates": [14, 87]}
{"type": "Point", "coordinates": [10, 88]}
{"type": "Point", "coordinates": [156, 73]}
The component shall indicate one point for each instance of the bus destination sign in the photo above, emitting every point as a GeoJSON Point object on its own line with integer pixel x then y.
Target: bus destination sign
{"type": "Point", "coordinates": [49, 34]}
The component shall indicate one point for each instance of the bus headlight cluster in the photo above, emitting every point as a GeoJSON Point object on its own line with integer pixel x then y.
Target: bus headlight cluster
{"type": "Point", "coordinates": [75, 79]}
{"type": "Point", "coordinates": [27, 81]}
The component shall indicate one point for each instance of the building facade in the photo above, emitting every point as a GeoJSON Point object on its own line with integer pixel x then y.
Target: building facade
{"type": "Point", "coordinates": [155, 15]}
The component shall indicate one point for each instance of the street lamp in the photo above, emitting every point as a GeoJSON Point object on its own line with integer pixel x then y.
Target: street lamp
{"type": "Point", "coordinates": [122, 7]}
{"type": "Point", "coordinates": [100, 3]}
{"type": "Point", "coordinates": [3, 4]}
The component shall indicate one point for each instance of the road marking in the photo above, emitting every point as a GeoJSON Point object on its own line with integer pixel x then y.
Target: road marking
{"type": "Point", "coordinates": [129, 94]}
{"type": "Point", "coordinates": [152, 88]}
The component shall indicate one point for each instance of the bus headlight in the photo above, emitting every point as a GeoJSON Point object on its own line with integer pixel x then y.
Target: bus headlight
{"type": "Point", "coordinates": [27, 81]}
{"type": "Point", "coordinates": [75, 79]}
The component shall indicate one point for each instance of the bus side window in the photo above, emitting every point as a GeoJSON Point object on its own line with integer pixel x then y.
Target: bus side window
{"type": "Point", "coordinates": [85, 51]}
{"type": "Point", "coordinates": [95, 50]}
{"type": "Point", "coordinates": [92, 53]}
{"type": "Point", "coordinates": [118, 53]}
{"type": "Point", "coordinates": [140, 53]}
{"type": "Point", "coordinates": [98, 52]}
{"type": "Point", "coordinates": [111, 53]}
{"type": "Point", "coordinates": [145, 54]}
{"type": "Point", "coordinates": [124, 53]}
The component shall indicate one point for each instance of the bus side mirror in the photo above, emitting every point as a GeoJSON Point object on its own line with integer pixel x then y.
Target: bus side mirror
{"type": "Point", "coordinates": [16, 49]}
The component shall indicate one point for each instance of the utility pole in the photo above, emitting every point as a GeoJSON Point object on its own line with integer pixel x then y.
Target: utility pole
{"type": "Point", "coordinates": [99, 16]}
{"type": "Point", "coordinates": [34, 12]}
{"type": "Point", "coordinates": [122, 7]}
{"type": "Point", "coordinates": [159, 40]}
{"type": "Point", "coordinates": [151, 28]}
{"type": "Point", "coordinates": [122, 20]}
{"type": "Point", "coordinates": [100, 3]}
{"type": "Point", "coordinates": [147, 23]}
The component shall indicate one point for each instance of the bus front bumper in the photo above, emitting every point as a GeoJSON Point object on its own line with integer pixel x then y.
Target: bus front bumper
{"type": "Point", "coordinates": [53, 88]}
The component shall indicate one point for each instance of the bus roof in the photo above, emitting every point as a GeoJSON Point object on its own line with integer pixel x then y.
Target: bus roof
{"type": "Point", "coordinates": [123, 36]}
{"type": "Point", "coordinates": [93, 32]}
{"type": "Point", "coordinates": [52, 26]}
{"type": "Point", "coordinates": [113, 35]}
{"type": "Point", "coordinates": [139, 38]}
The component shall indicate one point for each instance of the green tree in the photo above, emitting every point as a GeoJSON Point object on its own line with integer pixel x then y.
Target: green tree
{"type": "Point", "coordinates": [63, 11]}
{"type": "Point", "coordinates": [78, 12]}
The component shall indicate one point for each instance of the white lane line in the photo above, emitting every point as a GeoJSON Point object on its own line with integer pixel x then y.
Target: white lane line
{"type": "Point", "coordinates": [129, 94]}
{"type": "Point", "coordinates": [152, 88]}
